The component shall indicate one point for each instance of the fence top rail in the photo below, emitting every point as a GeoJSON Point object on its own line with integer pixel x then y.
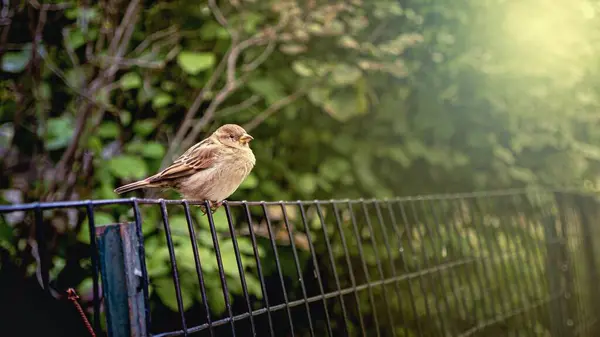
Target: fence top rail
{"type": "Point", "coordinates": [142, 201]}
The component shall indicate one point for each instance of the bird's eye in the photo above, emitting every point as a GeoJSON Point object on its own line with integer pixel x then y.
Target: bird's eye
{"type": "Point", "coordinates": [232, 136]}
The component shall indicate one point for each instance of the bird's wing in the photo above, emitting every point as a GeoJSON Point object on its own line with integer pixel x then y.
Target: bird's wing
{"type": "Point", "coordinates": [197, 158]}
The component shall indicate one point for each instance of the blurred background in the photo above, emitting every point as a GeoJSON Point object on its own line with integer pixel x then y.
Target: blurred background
{"type": "Point", "coordinates": [345, 99]}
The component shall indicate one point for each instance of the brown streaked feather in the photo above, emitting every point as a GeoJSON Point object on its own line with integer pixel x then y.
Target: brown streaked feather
{"type": "Point", "coordinates": [199, 157]}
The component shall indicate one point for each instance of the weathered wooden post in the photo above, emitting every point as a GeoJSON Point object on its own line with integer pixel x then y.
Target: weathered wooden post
{"type": "Point", "coordinates": [122, 283]}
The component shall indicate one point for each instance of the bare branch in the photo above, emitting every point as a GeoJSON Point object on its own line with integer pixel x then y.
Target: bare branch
{"type": "Point", "coordinates": [274, 108]}
{"type": "Point", "coordinates": [54, 69]}
{"type": "Point", "coordinates": [154, 37]}
{"type": "Point", "coordinates": [193, 109]}
{"type": "Point", "coordinates": [126, 22]}
{"type": "Point", "coordinates": [238, 107]}
{"type": "Point", "coordinates": [49, 7]}
{"type": "Point", "coordinates": [209, 113]}
{"type": "Point", "coordinates": [121, 62]}
{"type": "Point", "coordinates": [212, 4]}
{"type": "Point", "coordinates": [261, 58]}
{"type": "Point", "coordinates": [69, 49]}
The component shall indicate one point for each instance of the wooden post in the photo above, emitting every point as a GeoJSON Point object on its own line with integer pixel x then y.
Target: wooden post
{"type": "Point", "coordinates": [122, 284]}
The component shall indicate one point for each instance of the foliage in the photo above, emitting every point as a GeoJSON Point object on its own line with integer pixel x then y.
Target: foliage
{"type": "Point", "coordinates": [345, 99]}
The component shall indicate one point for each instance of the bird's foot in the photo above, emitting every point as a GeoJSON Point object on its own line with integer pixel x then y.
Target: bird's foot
{"type": "Point", "coordinates": [213, 206]}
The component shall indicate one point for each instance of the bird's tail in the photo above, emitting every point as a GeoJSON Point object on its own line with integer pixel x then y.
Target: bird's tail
{"type": "Point", "coordinates": [134, 186]}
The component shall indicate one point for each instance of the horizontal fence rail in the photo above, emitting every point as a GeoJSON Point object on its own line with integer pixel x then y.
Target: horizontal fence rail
{"type": "Point", "coordinates": [504, 263]}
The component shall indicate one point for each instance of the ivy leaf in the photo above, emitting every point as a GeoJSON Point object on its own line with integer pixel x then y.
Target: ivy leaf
{"type": "Point", "coordinates": [144, 127]}
{"type": "Point", "coordinates": [108, 130]}
{"type": "Point", "coordinates": [302, 69]}
{"type": "Point", "coordinates": [128, 167]}
{"type": "Point", "coordinates": [166, 292]}
{"type": "Point", "coordinates": [15, 62]}
{"type": "Point", "coordinates": [215, 298]}
{"type": "Point", "coordinates": [162, 99]}
{"type": "Point", "coordinates": [344, 105]}
{"type": "Point", "coordinates": [195, 62]}
{"type": "Point", "coordinates": [344, 74]}
{"type": "Point", "coordinates": [59, 133]}
{"type": "Point", "coordinates": [270, 89]}
{"type": "Point", "coordinates": [153, 150]}
{"type": "Point", "coordinates": [131, 80]}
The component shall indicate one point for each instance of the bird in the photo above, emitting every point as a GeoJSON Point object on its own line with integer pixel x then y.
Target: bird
{"type": "Point", "coordinates": [210, 170]}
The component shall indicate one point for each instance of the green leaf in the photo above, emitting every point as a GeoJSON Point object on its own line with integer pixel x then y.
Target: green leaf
{"type": "Point", "coordinates": [153, 150]}
{"type": "Point", "coordinates": [229, 261]}
{"type": "Point", "coordinates": [128, 167]}
{"type": "Point", "coordinates": [144, 127]}
{"type": "Point", "coordinates": [344, 74]}
{"type": "Point", "coordinates": [162, 99]}
{"type": "Point", "coordinates": [59, 132]}
{"type": "Point", "coordinates": [108, 130]}
{"type": "Point", "coordinates": [130, 80]}
{"type": "Point", "coordinates": [15, 62]}
{"type": "Point", "coordinates": [215, 298]}
{"type": "Point", "coordinates": [302, 69]}
{"type": "Point", "coordinates": [268, 88]}
{"type": "Point", "coordinates": [344, 105]}
{"type": "Point", "coordinates": [195, 62]}
{"type": "Point", "coordinates": [166, 292]}
{"type": "Point", "coordinates": [75, 39]}
{"type": "Point", "coordinates": [253, 285]}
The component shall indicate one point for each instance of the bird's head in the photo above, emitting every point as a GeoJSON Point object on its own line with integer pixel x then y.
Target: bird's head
{"type": "Point", "coordinates": [233, 135]}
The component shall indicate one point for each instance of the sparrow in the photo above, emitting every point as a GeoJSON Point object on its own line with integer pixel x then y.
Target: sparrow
{"type": "Point", "coordinates": [211, 170]}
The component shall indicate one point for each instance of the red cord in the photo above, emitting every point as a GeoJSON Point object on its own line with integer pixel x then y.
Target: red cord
{"type": "Point", "coordinates": [72, 295]}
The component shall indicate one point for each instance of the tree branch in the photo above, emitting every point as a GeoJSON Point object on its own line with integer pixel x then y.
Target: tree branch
{"type": "Point", "coordinates": [274, 108]}
{"type": "Point", "coordinates": [238, 107]}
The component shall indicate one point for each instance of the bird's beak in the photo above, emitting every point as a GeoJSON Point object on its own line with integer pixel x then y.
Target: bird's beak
{"type": "Point", "coordinates": [246, 138]}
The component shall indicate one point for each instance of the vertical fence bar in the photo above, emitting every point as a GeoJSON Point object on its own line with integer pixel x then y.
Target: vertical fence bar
{"type": "Point", "coordinates": [433, 277]}
{"type": "Point", "coordinates": [379, 266]}
{"type": "Point", "coordinates": [198, 265]}
{"type": "Point", "coordinates": [511, 231]}
{"type": "Point", "coordinates": [585, 208]}
{"type": "Point", "coordinates": [278, 265]}
{"type": "Point", "coordinates": [122, 280]}
{"type": "Point", "coordinates": [142, 254]}
{"type": "Point", "coordinates": [364, 265]}
{"type": "Point", "coordinates": [40, 236]}
{"type": "Point", "coordinates": [333, 267]}
{"type": "Point", "coordinates": [412, 254]}
{"type": "Point", "coordinates": [458, 204]}
{"type": "Point", "coordinates": [388, 249]}
{"type": "Point", "coordinates": [215, 239]}
{"type": "Point", "coordinates": [568, 308]}
{"type": "Point", "coordinates": [553, 275]}
{"type": "Point", "coordinates": [238, 259]}
{"type": "Point", "coordinates": [316, 267]}
{"type": "Point", "coordinates": [338, 223]}
{"type": "Point", "coordinates": [174, 271]}
{"type": "Point", "coordinates": [298, 269]}
{"type": "Point", "coordinates": [527, 255]}
{"type": "Point", "coordinates": [259, 270]}
{"type": "Point", "coordinates": [94, 259]}
{"type": "Point", "coordinates": [500, 261]}
{"type": "Point", "coordinates": [454, 286]}
{"type": "Point", "coordinates": [411, 295]}
{"type": "Point", "coordinates": [482, 276]}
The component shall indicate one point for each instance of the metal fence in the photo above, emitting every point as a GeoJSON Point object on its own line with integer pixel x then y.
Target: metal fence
{"type": "Point", "coordinates": [509, 263]}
